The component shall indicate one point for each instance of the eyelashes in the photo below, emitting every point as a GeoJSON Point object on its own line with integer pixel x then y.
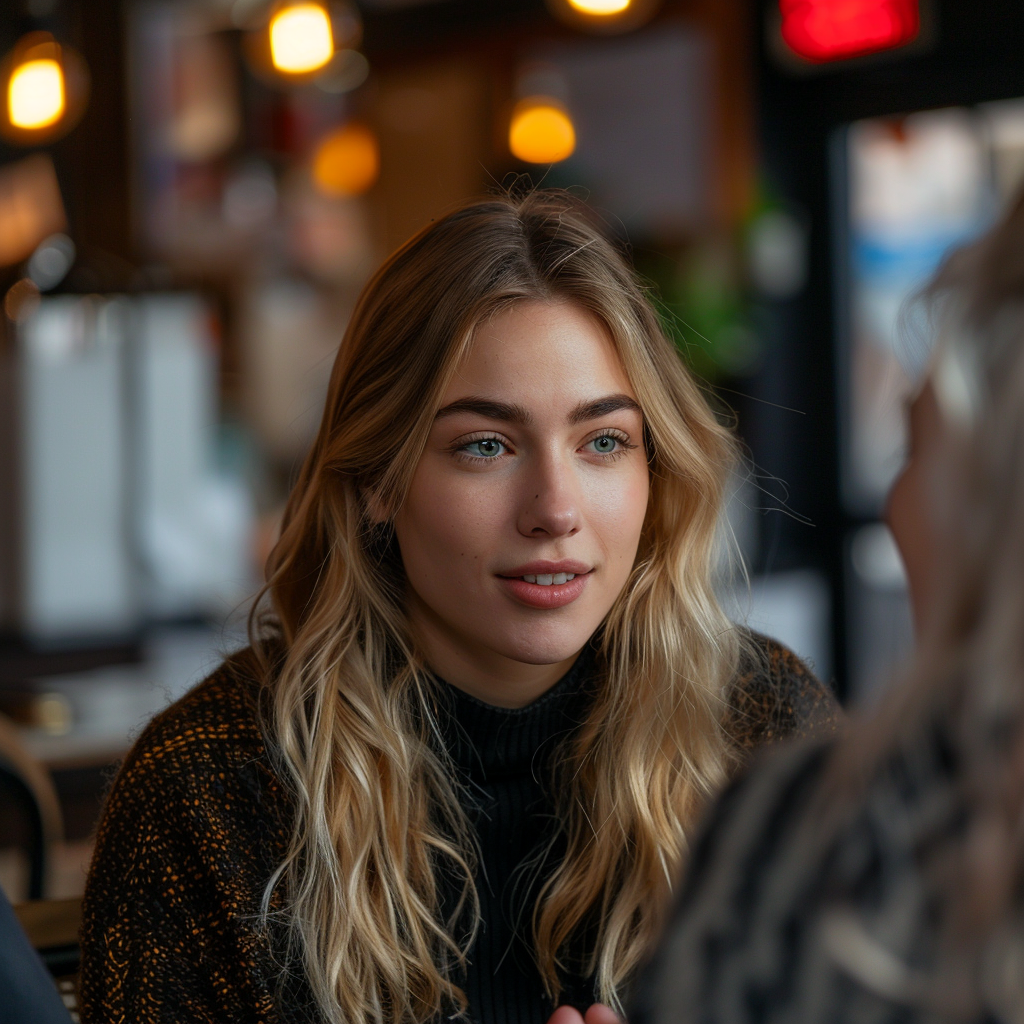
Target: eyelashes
{"type": "Point", "coordinates": [488, 447]}
{"type": "Point", "coordinates": [485, 449]}
{"type": "Point", "coordinates": [622, 444]}
{"type": "Point", "coordinates": [460, 448]}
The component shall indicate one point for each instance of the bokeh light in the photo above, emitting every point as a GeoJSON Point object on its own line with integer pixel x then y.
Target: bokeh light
{"type": "Point", "coordinates": [822, 30]}
{"type": "Point", "coordinates": [22, 300]}
{"type": "Point", "coordinates": [541, 131]}
{"type": "Point", "coordinates": [600, 8]}
{"type": "Point", "coordinates": [31, 207]}
{"type": "Point", "coordinates": [301, 39]}
{"type": "Point", "coordinates": [51, 261]}
{"type": "Point", "coordinates": [347, 162]}
{"type": "Point", "coordinates": [35, 94]}
{"type": "Point", "coordinates": [605, 17]}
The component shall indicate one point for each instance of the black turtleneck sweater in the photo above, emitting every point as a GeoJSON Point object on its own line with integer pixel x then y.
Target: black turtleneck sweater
{"type": "Point", "coordinates": [197, 821]}
{"type": "Point", "coordinates": [504, 759]}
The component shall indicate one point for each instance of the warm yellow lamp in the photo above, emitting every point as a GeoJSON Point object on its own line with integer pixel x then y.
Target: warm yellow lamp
{"type": "Point", "coordinates": [347, 162]}
{"type": "Point", "coordinates": [300, 38]}
{"type": "Point", "coordinates": [44, 88]}
{"type": "Point", "coordinates": [600, 8]}
{"type": "Point", "coordinates": [604, 16]}
{"type": "Point", "coordinates": [35, 94]}
{"type": "Point", "coordinates": [541, 131]}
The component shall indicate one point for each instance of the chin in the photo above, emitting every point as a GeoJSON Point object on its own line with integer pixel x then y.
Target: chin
{"type": "Point", "coordinates": [547, 645]}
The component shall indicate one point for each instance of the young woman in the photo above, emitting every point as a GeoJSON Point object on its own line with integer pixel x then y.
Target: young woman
{"type": "Point", "coordinates": [491, 688]}
{"type": "Point", "coordinates": [882, 878]}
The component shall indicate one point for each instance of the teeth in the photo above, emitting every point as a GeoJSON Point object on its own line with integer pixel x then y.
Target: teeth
{"type": "Point", "coordinates": [545, 579]}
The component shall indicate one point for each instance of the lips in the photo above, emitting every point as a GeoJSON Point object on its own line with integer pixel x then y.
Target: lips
{"type": "Point", "coordinates": [546, 585]}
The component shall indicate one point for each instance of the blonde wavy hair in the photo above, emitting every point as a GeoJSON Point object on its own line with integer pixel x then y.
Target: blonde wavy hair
{"type": "Point", "coordinates": [351, 708]}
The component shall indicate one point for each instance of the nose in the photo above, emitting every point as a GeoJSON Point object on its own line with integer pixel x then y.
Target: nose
{"type": "Point", "coordinates": [550, 501]}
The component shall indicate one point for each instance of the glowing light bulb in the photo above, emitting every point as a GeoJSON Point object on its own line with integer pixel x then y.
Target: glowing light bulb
{"type": "Point", "coordinates": [600, 8]}
{"type": "Point", "coordinates": [35, 94]}
{"type": "Point", "coordinates": [541, 131]}
{"type": "Point", "coordinates": [301, 38]}
{"type": "Point", "coordinates": [347, 162]}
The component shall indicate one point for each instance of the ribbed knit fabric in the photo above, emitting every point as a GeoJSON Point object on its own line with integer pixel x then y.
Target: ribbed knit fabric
{"type": "Point", "coordinates": [504, 757]}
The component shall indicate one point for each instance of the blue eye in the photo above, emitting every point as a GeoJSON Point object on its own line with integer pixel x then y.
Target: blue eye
{"type": "Point", "coordinates": [605, 444]}
{"type": "Point", "coordinates": [487, 448]}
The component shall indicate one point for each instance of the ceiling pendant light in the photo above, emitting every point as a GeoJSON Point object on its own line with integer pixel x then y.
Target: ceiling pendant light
{"type": "Point", "coordinates": [604, 16]}
{"type": "Point", "coordinates": [541, 131]}
{"type": "Point", "coordinates": [45, 87]}
{"type": "Point", "coordinates": [301, 40]}
{"type": "Point", "coordinates": [346, 161]}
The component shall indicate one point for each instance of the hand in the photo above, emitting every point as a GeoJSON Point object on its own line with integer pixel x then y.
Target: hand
{"type": "Point", "coordinates": [597, 1014]}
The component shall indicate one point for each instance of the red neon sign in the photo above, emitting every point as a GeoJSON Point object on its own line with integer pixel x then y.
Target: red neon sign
{"type": "Point", "coordinates": [822, 30]}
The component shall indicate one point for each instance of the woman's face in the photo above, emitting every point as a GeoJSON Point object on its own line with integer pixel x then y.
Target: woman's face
{"type": "Point", "coordinates": [522, 523]}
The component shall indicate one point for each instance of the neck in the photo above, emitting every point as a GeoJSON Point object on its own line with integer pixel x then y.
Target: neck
{"type": "Point", "coordinates": [483, 673]}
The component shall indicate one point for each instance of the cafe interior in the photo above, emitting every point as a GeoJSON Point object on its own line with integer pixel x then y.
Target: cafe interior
{"type": "Point", "coordinates": [193, 193]}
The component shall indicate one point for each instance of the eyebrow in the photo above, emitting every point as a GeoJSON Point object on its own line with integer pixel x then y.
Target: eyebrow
{"type": "Point", "coordinates": [510, 413]}
{"type": "Point", "coordinates": [602, 407]}
{"type": "Point", "coordinates": [504, 411]}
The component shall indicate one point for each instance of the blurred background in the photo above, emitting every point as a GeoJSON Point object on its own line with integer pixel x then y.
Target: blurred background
{"type": "Point", "coordinates": [192, 193]}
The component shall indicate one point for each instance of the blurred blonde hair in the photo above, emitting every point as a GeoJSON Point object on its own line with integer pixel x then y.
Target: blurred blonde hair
{"type": "Point", "coordinates": [351, 715]}
{"type": "Point", "coordinates": [967, 679]}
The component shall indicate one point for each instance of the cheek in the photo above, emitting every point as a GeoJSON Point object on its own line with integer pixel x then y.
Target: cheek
{"type": "Point", "coordinates": [618, 512]}
{"type": "Point", "coordinates": [896, 506]}
{"type": "Point", "coordinates": [443, 526]}
{"type": "Point", "coordinates": [906, 514]}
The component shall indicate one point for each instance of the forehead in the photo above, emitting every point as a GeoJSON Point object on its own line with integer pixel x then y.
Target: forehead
{"type": "Point", "coordinates": [545, 349]}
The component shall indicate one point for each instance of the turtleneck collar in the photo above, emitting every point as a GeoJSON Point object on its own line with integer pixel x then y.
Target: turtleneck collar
{"type": "Point", "coordinates": [489, 743]}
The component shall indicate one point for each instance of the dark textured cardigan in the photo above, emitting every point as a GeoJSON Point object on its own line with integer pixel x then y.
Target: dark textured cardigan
{"type": "Point", "coordinates": [197, 821]}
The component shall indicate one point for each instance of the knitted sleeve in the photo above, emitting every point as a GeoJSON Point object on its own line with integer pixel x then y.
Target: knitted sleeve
{"type": "Point", "coordinates": [777, 697]}
{"type": "Point", "coordinates": [170, 917]}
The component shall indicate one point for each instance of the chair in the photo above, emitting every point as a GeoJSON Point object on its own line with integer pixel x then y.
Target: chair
{"type": "Point", "coordinates": [27, 788]}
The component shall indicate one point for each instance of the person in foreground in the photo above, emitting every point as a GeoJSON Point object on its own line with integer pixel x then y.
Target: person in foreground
{"type": "Point", "coordinates": [489, 685]}
{"type": "Point", "coordinates": [881, 877]}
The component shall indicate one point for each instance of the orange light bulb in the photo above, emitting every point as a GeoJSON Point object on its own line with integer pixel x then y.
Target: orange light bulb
{"type": "Point", "coordinates": [541, 131]}
{"type": "Point", "coordinates": [347, 162]}
{"type": "Point", "coordinates": [301, 39]}
{"type": "Point", "coordinates": [600, 8]}
{"type": "Point", "coordinates": [35, 94]}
